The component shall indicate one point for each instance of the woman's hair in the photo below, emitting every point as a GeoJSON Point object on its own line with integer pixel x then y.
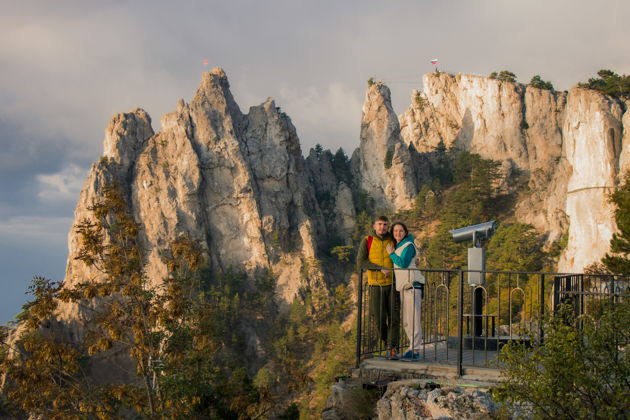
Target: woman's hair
{"type": "Point", "coordinates": [401, 224]}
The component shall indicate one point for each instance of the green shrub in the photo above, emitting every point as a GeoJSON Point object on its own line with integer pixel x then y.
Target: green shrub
{"type": "Point", "coordinates": [504, 75]}
{"type": "Point", "coordinates": [421, 102]}
{"type": "Point", "coordinates": [609, 83]}
{"type": "Point", "coordinates": [389, 156]}
{"type": "Point", "coordinates": [539, 83]}
{"type": "Point", "coordinates": [580, 372]}
{"type": "Point", "coordinates": [342, 252]}
{"type": "Point", "coordinates": [516, 247]}
{"type": "Point", "coordinates": [618, 260]}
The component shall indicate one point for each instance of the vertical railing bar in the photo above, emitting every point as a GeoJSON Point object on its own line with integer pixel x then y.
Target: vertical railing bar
{"type": "Point", "coordinates": [510, 305]}
{"type": "Point", "coordinates": [531, 305]}
{"type": "Point", "coordinates": [366, 320]}
{"type": "Point", "coordinates": [460, 313]}
{"type": "Point", "coordinates": [359, 314]}
{"type": "Point", "coordinates": [379, 329]}
{"type": "Point", "coordinates": [447, 310]}
{"type": "Point", "coordinates": [498, 310]}
{"type": "Point", "coordinates": [486, 331]}
{"type": "Point", "coordinates": [541, 302]}
{"type": "Point", "coordinates": [473, 313]}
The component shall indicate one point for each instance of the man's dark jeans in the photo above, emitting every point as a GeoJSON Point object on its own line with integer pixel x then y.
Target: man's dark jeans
{"type": "Point", "coordinates": [384, 307]}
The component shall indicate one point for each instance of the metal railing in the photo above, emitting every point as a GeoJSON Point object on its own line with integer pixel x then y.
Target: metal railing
{"type": "Point", "coordinates": [466, 324]}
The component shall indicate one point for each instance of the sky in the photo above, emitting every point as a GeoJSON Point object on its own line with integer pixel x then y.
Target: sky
{"type": "Point", "coordinates": [66, 67]}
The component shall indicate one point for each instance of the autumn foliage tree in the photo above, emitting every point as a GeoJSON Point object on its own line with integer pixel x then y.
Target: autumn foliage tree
{"type": "Point", "coordinates": [181, 335]}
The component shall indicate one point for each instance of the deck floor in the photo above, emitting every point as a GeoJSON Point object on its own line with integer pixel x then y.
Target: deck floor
{"type": "Point", "coordinates": [442, 354]}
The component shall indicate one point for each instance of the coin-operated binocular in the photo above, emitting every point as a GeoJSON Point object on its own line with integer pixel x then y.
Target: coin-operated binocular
{"type": "Point", "coordinates": [476, 254]}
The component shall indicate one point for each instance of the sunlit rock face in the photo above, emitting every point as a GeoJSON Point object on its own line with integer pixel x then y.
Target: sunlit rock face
{"type": "Point", "coordinates": [235, 182]}
{"type": "Point", "coordinates": [383, 163]}
{"type": "Point", "coordinates": [238, 183]}
{"type": "Point", "coordinates": [592, 130]}
{"type": "Point", "coordinates": [572, 147]}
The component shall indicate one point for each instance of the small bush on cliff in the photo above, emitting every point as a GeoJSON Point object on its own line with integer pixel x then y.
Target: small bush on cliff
{"type": "Point", "coordinates": [618, 260]}
{"type": "Point", "coordinates": [389, 156]}
{"type": "Point", "coordinates": [504, 75]}
{"type": "Point", "coordinates": [609, 83]}
{"type": "Point", "coordinates": [341, 166]}
{"type": "Point", "coordinates": [580, 372]}
{"type": "Point", "coordinates": [539, 83]}
{"type": "Point", "coordinates": [420, 101]}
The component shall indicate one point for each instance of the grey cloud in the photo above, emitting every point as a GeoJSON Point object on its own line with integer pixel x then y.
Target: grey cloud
{"type": "Point", "coordinates": [68, 66]}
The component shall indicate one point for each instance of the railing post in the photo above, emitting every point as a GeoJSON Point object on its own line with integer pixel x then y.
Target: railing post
{"type": "Point", "coordinates": [359, 317]}
{"type": "Point", "coordinates": [556, 293]}
{"type": "Point", "coordinates": [541, 299]}
{"type": "Point", "coordinates": [460, 326]}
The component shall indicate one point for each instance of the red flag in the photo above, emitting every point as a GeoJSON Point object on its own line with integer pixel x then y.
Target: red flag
{"type": "Point", "coordinates": [205, 62]}
{"type": "Point", "coordinates": [434, 61]}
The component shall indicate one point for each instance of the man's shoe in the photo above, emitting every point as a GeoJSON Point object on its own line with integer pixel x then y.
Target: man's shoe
{"type": "Point", "coordinates": [392, 354]}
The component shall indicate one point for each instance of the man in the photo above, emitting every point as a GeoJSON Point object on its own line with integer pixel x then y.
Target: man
{"type": "Point", "coordinates": [384, 300]}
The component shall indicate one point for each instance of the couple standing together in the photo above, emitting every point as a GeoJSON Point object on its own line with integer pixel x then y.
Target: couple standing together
{"type": "Point", "coordinates": [386, 255]}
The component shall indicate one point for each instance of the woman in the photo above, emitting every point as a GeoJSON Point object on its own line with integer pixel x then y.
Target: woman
{"type": "Point", "coordinates": [410, 284]}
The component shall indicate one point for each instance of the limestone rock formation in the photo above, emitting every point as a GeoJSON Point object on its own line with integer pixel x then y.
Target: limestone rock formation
{"type": "Point", "coordinates": [572, 146]}
{"type": "Point", "coordinates": [235, 182]}
{"type": "Point", "coordinates": [333, 188]}
{"type": "Point", "coordinates": [592, 146]}
{"type": "Point", "coordinates": [239, 185]}
{"type": "Point", "coordinates": [383, 162]}
{"type": "Point", "coordinates": [405, 402]}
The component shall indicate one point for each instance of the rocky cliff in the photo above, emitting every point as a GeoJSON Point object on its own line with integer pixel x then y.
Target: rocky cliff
{"type": "Point", "coordinates": [234, 182]}
{"type": "Point", "coordinates": [572, 146]}
{"type": "Point", "coordinates": [383, 163]}
{"type": "Point", "coordinates": [239, 185]}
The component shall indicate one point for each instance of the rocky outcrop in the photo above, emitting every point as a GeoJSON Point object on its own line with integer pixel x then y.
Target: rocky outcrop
{"type": "Point", "coordinates": [383, 162]}
{"type": "Point", "coordinates": [333, 185]}
{"type": "Point", "coordinates": [415, 400]}
{"type": "Point", "coordinates": [234, 182]}
{"type": "Point", "coordinates": [239, 185]}
{"type": "Point", "coordinates": [572, 147]}
{"type": "Point", "coordinates": [406, 402]}
{"type": "Point", "coordinates": [125, 137]}
{"type": "Point", "coordinates": [593, 132]}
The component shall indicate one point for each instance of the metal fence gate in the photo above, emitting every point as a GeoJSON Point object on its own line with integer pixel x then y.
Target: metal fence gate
{"type": "Point", "coordinates": [466, 324]}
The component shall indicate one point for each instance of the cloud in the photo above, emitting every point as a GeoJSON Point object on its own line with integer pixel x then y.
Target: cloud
{"type": "Point", "coordinates": [40, 229]}
{"type": "Point", "coordinates": [62, 186]}
{"type": "Point", "coordinates": [329, 114]}
{"type": "Point", "coordinates": [69, 66]}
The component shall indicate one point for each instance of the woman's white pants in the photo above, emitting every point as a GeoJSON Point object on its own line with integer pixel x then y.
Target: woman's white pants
{"type": "Point", "coordinates": [411, 308]}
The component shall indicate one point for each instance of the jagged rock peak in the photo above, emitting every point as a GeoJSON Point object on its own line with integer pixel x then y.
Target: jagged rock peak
{"type": "Point", "coordinates": [214, 100]}
{"type": "Point", "coordinates": [376, 90]}
{"type": "Point", "coordinates": [125, 136]}
{"type": "Point", "coordinates": [383, 161]}
{"type": "Point", "coordinates": [216, 76]}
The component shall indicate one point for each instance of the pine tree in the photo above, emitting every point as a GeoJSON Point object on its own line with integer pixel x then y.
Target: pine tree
{"type": "Point", "coordinates": [539, 83]}
{"type": "Point", "coordinates": [618, 260]}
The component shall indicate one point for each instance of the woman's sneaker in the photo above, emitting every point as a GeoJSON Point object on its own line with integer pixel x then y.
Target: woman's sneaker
{"type": "Point", "coordinates": [410, 355]}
